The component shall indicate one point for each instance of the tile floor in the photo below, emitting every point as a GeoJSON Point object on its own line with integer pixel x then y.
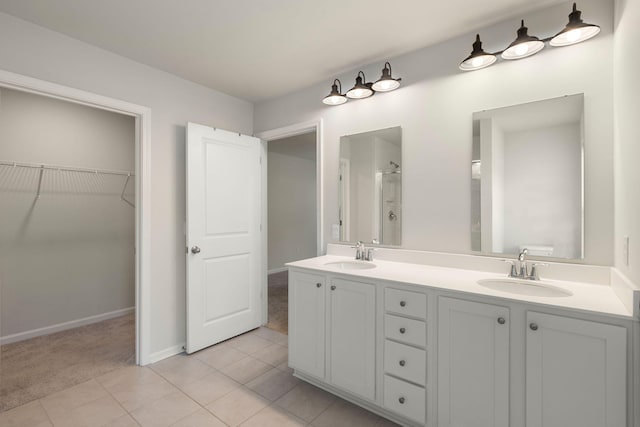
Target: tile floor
{"type": "Point", "coordinates": [241, 382]}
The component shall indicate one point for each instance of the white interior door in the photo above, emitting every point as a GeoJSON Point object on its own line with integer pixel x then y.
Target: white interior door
{"type": "Point", "coordinates": [223, 235]}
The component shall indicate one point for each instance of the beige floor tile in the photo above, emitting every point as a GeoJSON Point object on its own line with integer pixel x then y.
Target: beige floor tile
{"type": "Point", "coordinates": [271, 335]}
{"type": "Point", "coordinates": [219, 357]}
{"type": "Point", "coordinates": [182, 369]}
{"type": "Point", "coordinates": [237, 406]}
{"type": "Point", "coordinates": [249, 343]}
{"type": "Point", "coordinates": [273, 384]}
{"type": "Point", "coordinates": [285, 367]}
{"type": "Point", "coordinates": [306, 401]}
{"type": "Point", "coordinates": [31, 414]}
{"type": "Point", "coordinates": [210, 388]}
{"type": "Point", "coordinates": [201, 418]}
{"type": "Point", "coordinates": [104, 410]}
{"type": "Point", "coordinates": [133, 388]}
{"type": "Point", "coordinates": [274, 416]}
{"type": "Point", "coordinates": [123, 421]}
{"type": "Point", "coordinates": [66, 400]}
{"type": "Point", "coordinates": [274, 355]}
{"type": "Point", "coordinates": [166, 410]}
{"type": "Point", "coordinates": [344, 414]}
{"type": "Point", "coordinates": [246, 369]}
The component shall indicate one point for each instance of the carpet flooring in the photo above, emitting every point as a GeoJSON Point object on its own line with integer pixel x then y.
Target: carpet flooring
{"type": "Point", "coordinates": [278, 319]}
{"type": "Point", "coordinates": [37, 367]}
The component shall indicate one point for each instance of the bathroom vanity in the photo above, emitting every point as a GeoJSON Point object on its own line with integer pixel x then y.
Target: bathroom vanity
{"type": "Point", "coordinates": [440, 346]}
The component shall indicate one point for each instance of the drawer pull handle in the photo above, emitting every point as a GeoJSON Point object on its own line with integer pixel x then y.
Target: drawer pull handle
{"type": "Point", "coordinates": [402, 363]}
{"type": "Point", "coordinates": [403, 303]}
{"type": "Point", "coordinates": [333, 288]}
{"type": "Point", "coordinates": [318, 285]}
{"type": "Point", "coordinates": [533, 326]}
{"type": "Point", "coordinates": [501, 320]}
{"type": "Point", "coordinates": [401, 400]}
{"type": "Point", "coordinates": [403, 330]}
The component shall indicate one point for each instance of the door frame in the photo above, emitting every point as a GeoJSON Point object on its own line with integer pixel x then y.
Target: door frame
{"type": "Point", "coordinates": [142, 117]}
{"type": "Point", "coordinates": [279, 133]}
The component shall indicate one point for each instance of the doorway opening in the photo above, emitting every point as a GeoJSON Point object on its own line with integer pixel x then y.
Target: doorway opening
{"type": "Point", "coordinates": [293, 211]}
{"type": "Point", "coordinates": [71, 237]}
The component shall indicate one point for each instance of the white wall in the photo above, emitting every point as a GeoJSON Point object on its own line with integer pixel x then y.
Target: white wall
{"type": "Point", "coordinates": [627, 135]}
{"type": "Point", "coordinates": [34, 51]}
{"type": "Point", "coordinates": [434, 106]}
{"type": "Point", "coordinates": [291, 168]}
{"type": "Point", "coordinates": [542, 182]}
{"type": "Point", "coordinates": [70, 253]}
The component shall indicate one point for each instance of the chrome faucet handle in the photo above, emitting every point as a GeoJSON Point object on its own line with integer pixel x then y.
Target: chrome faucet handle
{"type": "Point", "coordinates": [514, 270]}
{"type": "Point", "coordinates": [369, 254]}
{"type": "Point", "coordinates": [533, 274]}
{"type": "Point", "coordinates": [522, 257]}
{"type": "Point", "coordinates": [359, 247]}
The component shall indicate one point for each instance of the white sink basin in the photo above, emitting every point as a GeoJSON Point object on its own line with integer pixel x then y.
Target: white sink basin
{"type": "Point", "coordinates": [351, 265]}
{"type": "Point", "coordinates": [525, 287]}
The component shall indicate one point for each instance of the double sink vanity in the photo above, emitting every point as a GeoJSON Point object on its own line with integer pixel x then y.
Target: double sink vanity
{"type": "Point", "coordinates": [423, 340]}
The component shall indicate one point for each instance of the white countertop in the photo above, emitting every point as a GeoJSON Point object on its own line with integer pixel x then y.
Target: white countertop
{"type": "Point", "coordinates": [599, 299]}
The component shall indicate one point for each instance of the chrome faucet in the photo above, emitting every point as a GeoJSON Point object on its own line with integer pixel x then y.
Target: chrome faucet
{"type": "Point", "coordinates": [520, 269]}
{"type": "Point", "coordinates": [362, 252]}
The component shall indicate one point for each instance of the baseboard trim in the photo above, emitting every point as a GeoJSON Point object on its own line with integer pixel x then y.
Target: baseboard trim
{"type": "Point", "coordinates": [167, 352]}
{"type": "Point", "coordinates": [21, 336]}
{"type": "Point", "coordinates": [277, 270]}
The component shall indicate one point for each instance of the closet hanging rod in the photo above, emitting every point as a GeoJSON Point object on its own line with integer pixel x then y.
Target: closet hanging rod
{"type": "Point", "coordinates": [66, 168]}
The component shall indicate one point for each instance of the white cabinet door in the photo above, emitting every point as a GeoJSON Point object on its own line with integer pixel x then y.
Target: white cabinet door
{"type": "Point", "coordinates": [352, 323]}
{"type": "Point", "coordinates": [473, 364]}
{"type": "Point", "coordinates": [307, 323]}
{"type": "Point", "coordinates": [576, 373]}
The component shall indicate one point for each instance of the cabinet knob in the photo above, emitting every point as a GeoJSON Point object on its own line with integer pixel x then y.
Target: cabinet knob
{"type": "Point", "coordinates": [501, 320]}
{"type": "Point", "coordinates": [402, 363]}
{"type": "Point", "coordinates": [403, 330]}
{"type": "Point", "coordinates": [333, 287]}
{"type": "Point", "coordinates": [403, 303]}
{"type": "Point", "coordinates": [318, 285]}
{"type": "Point", "coordinates": [401, 400]}
{"type": "Point", "coordinates": [533, 326]}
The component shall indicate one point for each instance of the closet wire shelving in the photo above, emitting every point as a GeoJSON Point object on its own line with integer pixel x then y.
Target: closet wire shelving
{"type": "Point", "coordinates": [41, 167]}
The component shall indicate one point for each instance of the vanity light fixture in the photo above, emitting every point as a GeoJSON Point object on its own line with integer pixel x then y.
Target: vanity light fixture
{"type": "Point", "coordinates": [576, 30]}
{"type": "Point", "coordinates": [386, 83]}
{"type": "Point", "coordinates": [478, 58]}
{"type": "Point", "coordinates": [526, 45]}
{"type": "Point", "coordinates": [362, 89]}
{"type": "Point", "coordinates": [335, 97]}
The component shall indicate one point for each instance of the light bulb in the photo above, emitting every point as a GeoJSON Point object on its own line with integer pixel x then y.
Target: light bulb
{"type": "Point", "coordinates": [522, 49]}
{"type": "Point", "coordinates": [574, 35]}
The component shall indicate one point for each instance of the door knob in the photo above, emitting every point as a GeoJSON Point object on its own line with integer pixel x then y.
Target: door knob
{"type": "Point", "coordinates": [195, 250]}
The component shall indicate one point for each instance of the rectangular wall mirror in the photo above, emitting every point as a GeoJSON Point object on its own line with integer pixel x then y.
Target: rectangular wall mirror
{"type": "Point", "coordinates": [370, 190]}
{"type": "Point", "coordinates": [527, 181]}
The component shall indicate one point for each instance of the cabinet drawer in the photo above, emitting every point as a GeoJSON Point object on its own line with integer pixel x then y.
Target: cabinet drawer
{"type": "Point", "coordinates": [405, 399]}
{"type": "Point", "coordinates": [409, 331]}
{"type": "Point", "coordinates": [405, 302]}
{"type": "Point", "coordinates": [405, 362]}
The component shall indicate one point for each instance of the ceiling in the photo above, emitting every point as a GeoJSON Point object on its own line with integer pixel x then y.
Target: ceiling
{"type": "Point", "coordinates": [260, 49]}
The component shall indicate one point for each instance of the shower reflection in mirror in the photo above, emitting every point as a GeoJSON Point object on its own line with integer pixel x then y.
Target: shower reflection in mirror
{"type": "Point", "coordinates": [370, 187]}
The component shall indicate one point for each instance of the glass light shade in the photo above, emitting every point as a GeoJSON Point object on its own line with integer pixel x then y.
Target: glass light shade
{"type": "Point", "coordinates": [478, 58]}
{"type": "Point", "coordinates": [360, 90]}
{"type": "Point", "coordinates": [576, 31]}
{"type": "Point", "coordinates": [524, 45]}
{"type": "Point", "coordinates": [386, 83]}
{"type": "Point", "coordinates": [335, 97]}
